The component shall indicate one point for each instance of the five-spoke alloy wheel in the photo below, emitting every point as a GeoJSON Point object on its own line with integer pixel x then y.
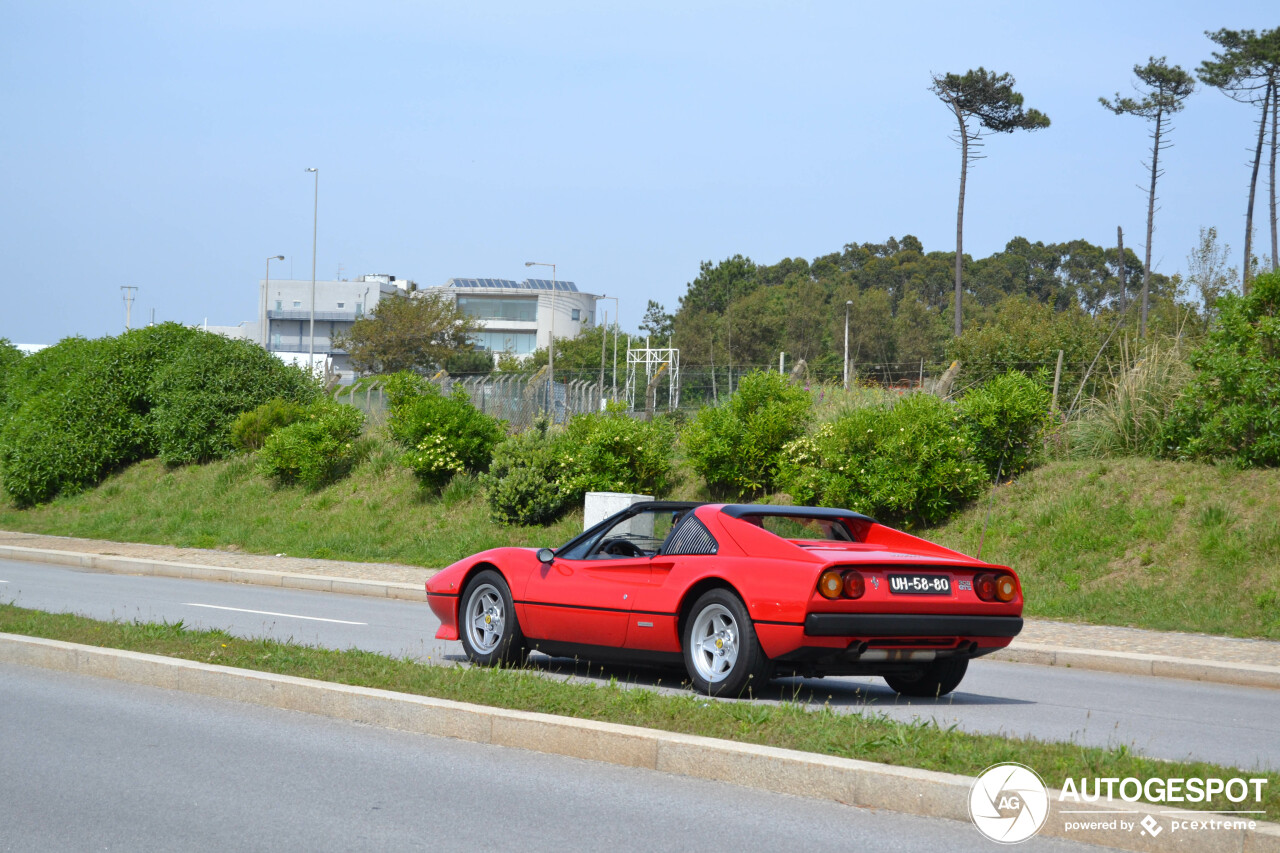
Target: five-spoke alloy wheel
{"type": "Point", "coordinates": [721, 652]}
{"type": "Point", "coordinates": [487, 622]}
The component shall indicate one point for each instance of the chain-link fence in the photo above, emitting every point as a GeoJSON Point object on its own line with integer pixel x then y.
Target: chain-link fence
{"type": "Point", "coordinates": [520, 399]}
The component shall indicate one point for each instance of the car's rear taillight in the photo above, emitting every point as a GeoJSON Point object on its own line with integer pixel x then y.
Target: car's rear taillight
{"type": "Point", "coordinates": [985, 587]}
{"type": "Point", "coordinates": [830, 584]}
{"type": "Point", "coordinates": [1006, 588]}
{"type": "Point", "coordinates": [834, 584]}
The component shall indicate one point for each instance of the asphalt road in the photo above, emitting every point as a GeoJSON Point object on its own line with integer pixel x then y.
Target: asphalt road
{"type": "Point", "coordinates": [91, 764]}
{"type": "Point", "coordinates": [1164, 718]}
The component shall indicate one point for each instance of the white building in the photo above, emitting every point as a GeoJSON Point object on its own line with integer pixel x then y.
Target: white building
{"type": "Point", "coordinates": [516, 316]}
{"type": "Point", "coordinates": [284, 316]}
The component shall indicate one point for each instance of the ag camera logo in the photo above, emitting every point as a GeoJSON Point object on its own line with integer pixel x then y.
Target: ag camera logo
{"type": "Point", "coordinates": [1008, 803]}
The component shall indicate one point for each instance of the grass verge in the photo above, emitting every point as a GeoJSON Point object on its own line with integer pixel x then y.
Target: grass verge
{"type": "Point", "coordinates": [869, 737]}
{"type": "Point", "coordinates": [1170, 546]}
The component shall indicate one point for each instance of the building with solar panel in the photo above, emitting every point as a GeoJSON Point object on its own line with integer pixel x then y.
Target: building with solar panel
{"type": "Point", "coordinates": [516, 316]}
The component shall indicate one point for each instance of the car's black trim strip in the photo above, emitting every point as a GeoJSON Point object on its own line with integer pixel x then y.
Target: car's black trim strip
{"type": "Point", "coordinates": [771, 622]}
{"type": "Point", "coordinates": [442, 594]}
{"type": "Point", "coordinates": [909, 625]}
{"type": "Point", "coordinates": [600, 609]}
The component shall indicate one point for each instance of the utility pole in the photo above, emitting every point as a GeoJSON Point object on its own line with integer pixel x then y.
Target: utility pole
{"type": "Point", "coordinates": [128, 291]}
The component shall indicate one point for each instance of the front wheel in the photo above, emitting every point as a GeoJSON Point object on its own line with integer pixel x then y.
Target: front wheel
{"type": "Point", "coordinates": [489, 631]}
{"type": "Point", "coordinates": [930, 680]}
{"type": "Point", "coordinates": [721, 652]}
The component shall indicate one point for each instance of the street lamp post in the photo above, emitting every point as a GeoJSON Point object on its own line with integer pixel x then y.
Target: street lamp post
{"type": "Point", "coordinates": [266, 281]}
{"type": "Point", "coordinates": [616, 311]}
{"type": "Point", "coordinates": [315, 219]}
{"type": "Point", "coordinates": [551, 340]}
{"type": "Point", "coordinates": [847, 305]}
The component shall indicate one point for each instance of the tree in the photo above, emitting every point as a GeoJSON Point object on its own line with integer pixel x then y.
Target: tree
{"type": "Point", "coordinates": [1247, 65]}
{"type": "Point", "coordinates": [414, 333]}
{"type": "Point", "coordinates": [1207, 270]}
{"type": "Point", "coordinates": [981, 100]}
{"type": "Point", "coordinates": [658, 323]}
{"type": "Point", "coordinates": [1166, 90]}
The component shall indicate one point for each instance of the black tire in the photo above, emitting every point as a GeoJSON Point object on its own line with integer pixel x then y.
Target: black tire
{"type": "Point", "coordinates": [721, 651]}
{"type": "Point", "coordinates": [930, 680]}
{"type": "Point", "coordinates": [487, 623]}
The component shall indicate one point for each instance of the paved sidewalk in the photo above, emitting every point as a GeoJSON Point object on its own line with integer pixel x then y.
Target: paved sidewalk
{"type": "Point", "coordinates": [1133, 650]}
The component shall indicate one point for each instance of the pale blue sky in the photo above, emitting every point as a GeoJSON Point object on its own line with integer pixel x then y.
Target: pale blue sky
{"type": "Point", "coordinates": [163, 145]}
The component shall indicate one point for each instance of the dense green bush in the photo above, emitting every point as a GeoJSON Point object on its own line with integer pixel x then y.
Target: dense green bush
{"type": "Point", "coordinates": [79, 409]}
{"type": "Point", "coordinates": [250, 429]}
{"type": "Point", "coordinates": [10, 358]}
{"type": "Point", "coordinates": [737, 447]}
{"type": "Point", "coordinates": [198, 395]}
{"type": "Point", "coordinates": [911, 462]}
{"type": "Point", "coordinates": [538, 476]}
{"type": "Point", "coordinates": [525, 483]}
{"type": "Point", "coordinates": [445, 435]}
{"type": "Point", "coordinates": [1006, 418]}
{"type": "Point", "coordinates": [1231, 408]}
{"type": "Point", "coordinates": [611, 451]}
{"type": "Point", "coordinates": [315, 450]}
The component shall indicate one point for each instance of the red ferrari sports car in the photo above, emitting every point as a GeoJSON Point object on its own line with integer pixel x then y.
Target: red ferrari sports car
{"type": "Point", "coordinates": [737, 593]}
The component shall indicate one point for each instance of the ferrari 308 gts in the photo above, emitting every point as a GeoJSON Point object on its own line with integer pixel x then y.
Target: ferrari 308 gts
{"type": "Point", "coordinates": [737, 593]}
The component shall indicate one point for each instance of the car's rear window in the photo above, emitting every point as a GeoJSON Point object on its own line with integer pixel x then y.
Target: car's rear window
{"type": "Point", "coordinates": [803, 527]}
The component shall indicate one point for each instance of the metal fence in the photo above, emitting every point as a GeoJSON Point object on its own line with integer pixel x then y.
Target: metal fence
{"type": "Point", "coordinates": [518, 400]}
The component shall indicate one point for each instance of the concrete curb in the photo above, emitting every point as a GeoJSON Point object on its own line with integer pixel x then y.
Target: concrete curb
{"type": "Point", "coordinates": [860, 783]}
{"type": "Point", "coordinates": [194, 571]}
{"type": "Point", "coordinates": [1127, 663]}
{"type": "Point", "coordinates": [1136, 663]}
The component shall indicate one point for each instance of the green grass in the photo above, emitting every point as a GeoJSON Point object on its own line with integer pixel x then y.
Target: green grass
{"type": "Point", "coordinates": [1163, 545]}
{"type": "Point", "coordinates": [866, 736]}
{"type": "Point", "coordinates": [1160, 545]}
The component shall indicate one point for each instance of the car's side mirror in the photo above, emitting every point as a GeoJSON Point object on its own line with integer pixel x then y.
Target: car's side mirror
{"type": "Point", "coordinates": [546, 555]}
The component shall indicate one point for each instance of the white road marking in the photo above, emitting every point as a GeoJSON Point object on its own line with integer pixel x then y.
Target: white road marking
{"type": "Point", "coordinates": [270, 613]}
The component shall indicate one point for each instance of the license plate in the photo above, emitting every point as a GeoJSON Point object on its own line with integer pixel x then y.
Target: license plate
{"type": "Point", "coordinates": [920, 584]}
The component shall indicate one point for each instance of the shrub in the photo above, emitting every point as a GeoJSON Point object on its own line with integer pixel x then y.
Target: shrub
{"type": "Point", "coordinates": [611, 451]}
{"type": "Point", "coordinates": [737, 447]}
{"type": "Point", "coordinates": [198, 395]}
{"type": "Point", "coordinates": [10, 358]}
{"type": "Point", "coordinates": [524, 483]}
{"type": "Point", "coordinates": [910, 462]}
{"type": "Point", "coordinates": [251, 429]}
{"type": "Point", "coordinates": [445, 435]}
{"type": "Point", "coordinates": [315, 450]}
{"type": "Point", "coordinates": [537, 476]}
{"type": "Point", "coordinates": [1231, 408]}
{"type": "Point", "coordinates": [80, 409]}
{"type": "Point", "coordinates": [1006, 418]}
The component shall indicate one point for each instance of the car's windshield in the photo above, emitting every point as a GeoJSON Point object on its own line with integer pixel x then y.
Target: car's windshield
{"type": "Point", "coordinates": [641, 533]}
{"type": "Point", "coordinates": [803, 527]}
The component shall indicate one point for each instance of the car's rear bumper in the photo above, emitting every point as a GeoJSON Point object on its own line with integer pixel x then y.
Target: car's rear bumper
{"type": "Point", "coordinates": [888, 625]}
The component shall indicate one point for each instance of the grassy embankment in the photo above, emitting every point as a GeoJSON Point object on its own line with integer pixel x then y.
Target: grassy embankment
{"type": "Point", "coordinates": [1161, 545]}
{"type": "Point", "coordinates": [866, 736]}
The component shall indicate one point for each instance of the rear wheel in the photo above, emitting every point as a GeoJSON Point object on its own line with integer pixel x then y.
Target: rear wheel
{"type": "Point", "coordinates": [721, 652]}
{"type": "Point", "coordinates": [489, 631]}
{"type": "Point", "coordinates": [931, 679]}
